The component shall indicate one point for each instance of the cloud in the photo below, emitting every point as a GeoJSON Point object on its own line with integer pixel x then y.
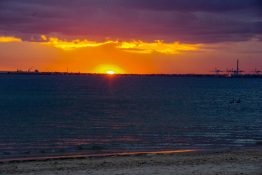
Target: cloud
{"type": "Point", "coordinates": [138, 46]}
{"type": "Point", "coordinates": [196, 5]}
{"type": "Point", "coordinates": [158, 47]}
{"type": "Point", "coordinates": [198, 21]}
{"type": "Point", "coordinates": [9, 39]}
{"type": "Point", "coordinates": [74, 44]}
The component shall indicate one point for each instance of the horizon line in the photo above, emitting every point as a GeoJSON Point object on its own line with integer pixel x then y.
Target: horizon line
{"type": "Point", "coordinates": [123, 74]}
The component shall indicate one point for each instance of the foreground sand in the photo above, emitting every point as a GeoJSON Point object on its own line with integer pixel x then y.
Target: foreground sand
{"type": "Point", "coordinates": [208, 163]}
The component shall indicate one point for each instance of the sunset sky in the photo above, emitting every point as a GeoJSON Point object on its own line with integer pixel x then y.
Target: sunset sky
{"type": "Point", "coordinates": [130, 36]}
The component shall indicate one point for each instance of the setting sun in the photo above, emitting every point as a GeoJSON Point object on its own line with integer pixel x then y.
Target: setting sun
{"type": "Point", "coordinates": [108, 69]}
{"type": "Point", "coordinates": [110, 72]}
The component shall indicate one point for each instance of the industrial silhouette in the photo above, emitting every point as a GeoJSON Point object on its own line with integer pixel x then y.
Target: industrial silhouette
{"type": "Point", "coordinates": [237, 72]}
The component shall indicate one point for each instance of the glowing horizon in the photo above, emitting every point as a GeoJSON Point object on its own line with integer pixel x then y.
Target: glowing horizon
{"type": "Point", "coordinates": [55, 55]}
{"type": "Point", "coordinates": [136, 36]}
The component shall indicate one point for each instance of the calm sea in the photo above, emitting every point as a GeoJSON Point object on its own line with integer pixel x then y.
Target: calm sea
{"type": "Point", "coordinates": [59, 115]}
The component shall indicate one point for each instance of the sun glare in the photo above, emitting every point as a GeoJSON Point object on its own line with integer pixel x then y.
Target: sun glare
{"type": "Point", "coordinates": [110, 72]}
{"type": "Point", "coordinates": [108, 69]}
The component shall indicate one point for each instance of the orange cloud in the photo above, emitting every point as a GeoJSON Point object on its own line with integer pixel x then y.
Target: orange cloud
{"type": "Point", "coordinates": [9, 39]}
{"type": "Point", "coordinates": [136, 46]}
{"type": "Point", "coordinates": [139, 46]}
{"type": "Point", "coordinates": [158, 46]}
{"type": "Point", "coordinates": [74, 44]}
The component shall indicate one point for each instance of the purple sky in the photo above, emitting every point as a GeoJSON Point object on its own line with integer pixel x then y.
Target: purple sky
{"type": "Point", "coordinates": [204, 21]}
{"type": "Point", "coordinates": [221, 30]}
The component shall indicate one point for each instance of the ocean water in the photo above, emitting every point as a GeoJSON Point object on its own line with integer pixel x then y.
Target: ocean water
{"type": "Point", "coordinates": [70, 114]}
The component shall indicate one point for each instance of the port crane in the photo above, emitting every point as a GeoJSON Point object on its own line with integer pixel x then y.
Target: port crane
{"type": "Point", "coordinates": [217, 71]}
{"type": "Point", "coordinates": [237, 71]}
{"type": "Point", "coordinates": [257, 72]}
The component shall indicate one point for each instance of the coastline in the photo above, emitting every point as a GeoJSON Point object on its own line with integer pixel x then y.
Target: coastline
{"type": "Point", "coordinates": [191, 75]}
{"type": "Point", "coordinates": [86, 156]}
{"type": "Point", "coordinates": [245, 161]}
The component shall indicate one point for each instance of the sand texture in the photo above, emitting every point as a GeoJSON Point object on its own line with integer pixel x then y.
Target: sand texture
{"type": "Point", "coordinates": [201, 163]}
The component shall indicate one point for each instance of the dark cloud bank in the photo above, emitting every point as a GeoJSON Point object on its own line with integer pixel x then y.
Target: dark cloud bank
{"type": "Point", "coordinates": [170, 20]}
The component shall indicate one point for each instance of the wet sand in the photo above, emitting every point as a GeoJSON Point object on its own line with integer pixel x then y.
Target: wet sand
{"type": "Point", "coordinates": [165, 163]}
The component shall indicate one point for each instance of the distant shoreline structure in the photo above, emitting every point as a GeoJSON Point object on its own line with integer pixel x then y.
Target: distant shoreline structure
{"type": "Point", "coordinates": [228, 73]}
{"type": "Point", "coordinates": [237, 72]}
{"type": "Point", "coordinates": [104, 74]}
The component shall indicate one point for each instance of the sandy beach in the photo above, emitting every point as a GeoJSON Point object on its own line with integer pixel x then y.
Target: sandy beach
{"type": "Point", "coordinates": [200, 162]}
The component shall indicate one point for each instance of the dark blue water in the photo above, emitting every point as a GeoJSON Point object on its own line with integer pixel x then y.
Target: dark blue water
{"type": "Point", "coordinates": [58, 115]}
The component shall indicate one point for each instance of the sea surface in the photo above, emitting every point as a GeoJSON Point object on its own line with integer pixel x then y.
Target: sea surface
{"type": "Point", "coordinates": [43, 115]}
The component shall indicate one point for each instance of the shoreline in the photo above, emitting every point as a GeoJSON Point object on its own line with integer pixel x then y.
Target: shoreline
{"type": "Point", "coordinates": [207, 75]}
{"type": "Point", "coordinates": [69, 156]}
{"type": "Point", "coordinates": [86, 156]}
{"type": "Point", "coordinates": [227, 162]}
